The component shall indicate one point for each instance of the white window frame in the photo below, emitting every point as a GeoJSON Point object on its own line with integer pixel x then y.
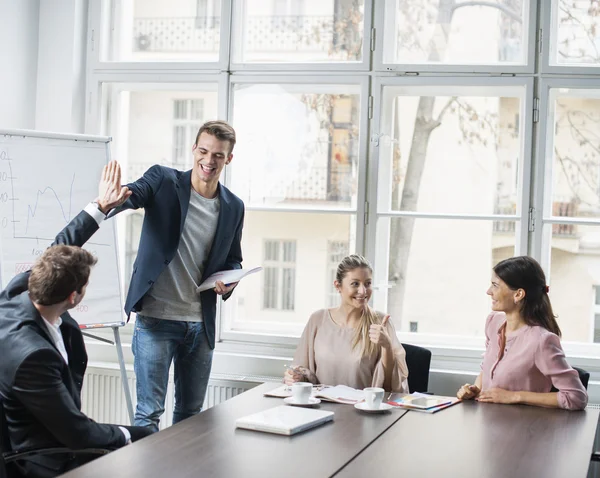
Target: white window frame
{"type": "Point", "coordinates": [542, 193]}
{"type": "Point", "coordinates": [99, 10]}
{"type": "Point", "coordinates": [522, 214]}
{"type": "Point", "coordinates": [450, 352]}
{"type": "Point", "coordinates": [289, 336]}
{"type": "Point", "coordinates": [334, 66]}
{"type": "Point", "coordinates": [547, 15]}
{"type": "Point", "coordinates": [415, 69]}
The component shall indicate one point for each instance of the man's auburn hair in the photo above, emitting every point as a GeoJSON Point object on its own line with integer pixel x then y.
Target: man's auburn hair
{"type": "Point", "coordinates": [60, 271]}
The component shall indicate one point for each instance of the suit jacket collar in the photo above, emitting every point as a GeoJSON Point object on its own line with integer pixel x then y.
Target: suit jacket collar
{"type": "Point", "coordinates": [30, 311]}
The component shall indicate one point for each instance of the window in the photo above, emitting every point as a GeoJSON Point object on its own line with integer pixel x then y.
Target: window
{"type": "Point", "coordinates": [188, 116]}
{"type": "Point", "coordinates": [142, 31]}
{"type": "Point", "coordinates": [442, 181]}
{"type": "Point", "coordinates": [279, 266]}
{"type": "Point", "coordinates": [417, 133]}
{"type": "Point", "coordinates": [336, 251]}
{"type": "Point", "coordinates": [419, 32]}
{"type": "Point", "coordinates": [571, 212]}
{"type": "Point", "coordinates": [298, 31]}
{"type": "Point", "coordinates": [575, 40]}
{"type": "Point", "coordinates": [596, 310]}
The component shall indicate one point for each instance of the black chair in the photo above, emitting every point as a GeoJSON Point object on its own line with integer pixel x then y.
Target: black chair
{"type": "Point", "coordinates": [583, 376]}
{"type": "Point", "coordinates": [418, 361]}
{"type": "Point", "coordinates": [8, 457]}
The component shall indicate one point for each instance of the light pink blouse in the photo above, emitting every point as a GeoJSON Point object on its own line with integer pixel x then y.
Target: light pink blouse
{"type": "Point", "coordinates": [532, 360]}
{"type": "Point", "coordinates": [325, 349]}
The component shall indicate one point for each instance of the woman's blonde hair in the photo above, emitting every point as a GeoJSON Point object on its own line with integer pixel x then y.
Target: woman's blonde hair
{"type": "Point", "coordinates": [369, 317]}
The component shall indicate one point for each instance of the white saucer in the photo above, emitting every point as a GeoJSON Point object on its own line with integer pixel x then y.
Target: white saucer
{"type": "Point", "coordinates": [384, 407]}
{"type": "Point", "coordinates": [312, 401]}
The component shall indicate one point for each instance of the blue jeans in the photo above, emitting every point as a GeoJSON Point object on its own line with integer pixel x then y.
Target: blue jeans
{"type": "Point", "coordinates": [157, 342]}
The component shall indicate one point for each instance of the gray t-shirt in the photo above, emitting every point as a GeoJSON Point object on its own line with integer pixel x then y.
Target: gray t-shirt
{"type": "Point", "coordinates": [173, 296]}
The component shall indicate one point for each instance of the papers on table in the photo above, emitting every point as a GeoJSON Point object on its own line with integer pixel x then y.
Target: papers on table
{"type": "Point", "coordinates": [421, 402]}
{"type": "Point", "coordinates": [227, 277]}
{"type": "Point", "coordinates": [337, 394]}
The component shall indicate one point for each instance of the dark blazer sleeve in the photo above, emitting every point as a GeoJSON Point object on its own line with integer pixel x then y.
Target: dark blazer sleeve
{"type": "Point", "coordinates": [39, 386]}
{"type": "Point", "coordinates": [142, 191]}
{"type": "Point", "coordinates": [78, 231]}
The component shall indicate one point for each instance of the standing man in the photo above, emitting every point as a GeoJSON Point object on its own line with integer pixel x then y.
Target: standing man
{"type": "Point", "coordinates": [192, 228]}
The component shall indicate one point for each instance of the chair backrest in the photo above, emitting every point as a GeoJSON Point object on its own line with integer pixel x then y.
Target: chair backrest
{"type": "Point", "coordinates": [418, 361]}
{"type": "Point", "coordinates": [583, 376]}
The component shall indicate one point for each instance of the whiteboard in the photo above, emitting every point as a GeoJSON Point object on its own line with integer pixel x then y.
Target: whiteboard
{"type": "Point", "coordinates": [46, 179]}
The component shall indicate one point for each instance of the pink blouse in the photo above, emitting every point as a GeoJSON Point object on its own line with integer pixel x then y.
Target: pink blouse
{"type": "Point", "coordinates": [532, 360]}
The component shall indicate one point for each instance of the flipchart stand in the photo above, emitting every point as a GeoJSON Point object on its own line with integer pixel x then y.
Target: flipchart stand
{"type": "Point", "coordinates": [124, 381]}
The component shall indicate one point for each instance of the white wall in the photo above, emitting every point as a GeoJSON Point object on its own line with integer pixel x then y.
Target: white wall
{"type": "Point", "coordinates": [60, 99]}
{"type": "Point", "coordinates": [18, 67]}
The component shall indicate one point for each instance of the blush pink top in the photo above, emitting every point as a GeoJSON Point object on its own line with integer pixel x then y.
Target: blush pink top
{"type": "Point", "coordinates": [325, 349]}
{"type": "Point", "coordinates": [531, 360]}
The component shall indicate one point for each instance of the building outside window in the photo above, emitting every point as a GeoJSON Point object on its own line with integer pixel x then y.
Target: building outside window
{"type": "Point", "coordinates": [279, 268]}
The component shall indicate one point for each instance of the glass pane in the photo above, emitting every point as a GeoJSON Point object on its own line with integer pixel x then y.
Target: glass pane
{"type": "Point", "coordinates": [145, 123]}
{"type": "Point", "coordinates": [436, 266]}
{"type": "Point", "coordinates": [574, 276]}
{"type": "Point", "coordinates": [573, 142]}
{"type": "Point", "coordinates": [445, 32]}
{"type": "Point", "coordinates": [298, 145]}
{"type": "Point", "coordinates": [575, 37]}
{"type": "Point", "coordinates": [178, 30]}
{"type": "Point", "coordinates": [302, 286]}
{"type": "Point", "coordinates": [299, 31]}
{"type": "Point", "coordinates": [450, 149]}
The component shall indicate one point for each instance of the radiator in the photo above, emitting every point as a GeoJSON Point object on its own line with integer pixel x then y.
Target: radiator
{"type": "Point", "coordinates": [104, 401]}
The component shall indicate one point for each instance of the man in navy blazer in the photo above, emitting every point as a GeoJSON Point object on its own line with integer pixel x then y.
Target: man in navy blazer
{"type": "Point", "coordinates": [192, 228]}
{"type": "Point", "coordinates": [43, 352]}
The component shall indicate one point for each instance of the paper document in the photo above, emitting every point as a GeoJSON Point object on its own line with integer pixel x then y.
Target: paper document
{"type": "Point", "coordinates": [227, 277]}
{"type": "Point", "coordinates": [337, 394]}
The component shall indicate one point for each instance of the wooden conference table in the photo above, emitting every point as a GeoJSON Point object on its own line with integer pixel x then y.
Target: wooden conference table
{"type": "Point", "coordinates": [466, 440]}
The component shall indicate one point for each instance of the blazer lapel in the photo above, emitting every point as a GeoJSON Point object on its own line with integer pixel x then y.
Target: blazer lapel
{"type": "Point", "coordinates": [220, 233]}
{"type": "Point", "coordinates": [183, 193]}
{"type": "Point", "coordinates": [32, 312]}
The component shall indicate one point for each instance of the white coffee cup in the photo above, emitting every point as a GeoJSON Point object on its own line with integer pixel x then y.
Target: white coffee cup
{"type": "Point", "coordinates": [301, 392]}
{"type": "Point", "coordinates": [373, 397]}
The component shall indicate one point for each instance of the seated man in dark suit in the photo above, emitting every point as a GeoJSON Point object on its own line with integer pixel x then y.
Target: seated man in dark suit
{"type": "Point", "coordinates": [43, 352]}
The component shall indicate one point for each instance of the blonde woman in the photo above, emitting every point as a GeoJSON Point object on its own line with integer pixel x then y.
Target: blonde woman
{"type": "Point", "coordinates": [352, 344]}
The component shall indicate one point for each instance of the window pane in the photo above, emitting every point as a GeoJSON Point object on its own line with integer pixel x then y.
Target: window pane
{"type": "Point", "coordinates": [299, 31]}
{"type": "Point", "coordinates": [444, 32]}
{"type": "Point", "coordinates": [143, 121]}
{"type": "Point", "coordinates": [443, 265]}
{"type": "Point", "coordinates": [575, 37]}
{"type": "Point", "coordinates": [303, 145]}
{"type": "Point", "coordinates": [303, 280]}
{"type": "Point", "coordinates": [574, 135]}
{"type": "Point", "coordinates": [182, 30]}
{"type": "Point", "coordinates": [450, 149]}
{"type": "Point", "coordinates": [574, 273]}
